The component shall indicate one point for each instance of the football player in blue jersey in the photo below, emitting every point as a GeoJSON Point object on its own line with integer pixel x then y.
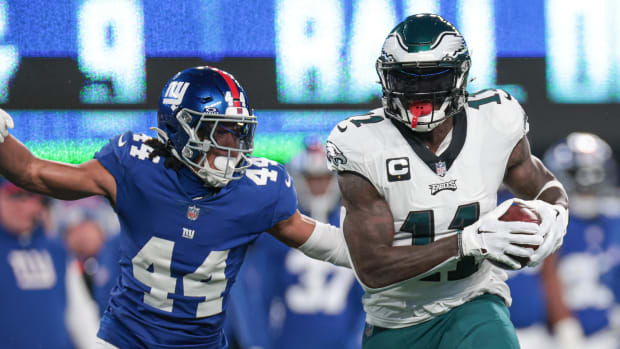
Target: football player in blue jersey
{"type": "Point", "coordinates": [284, 300]}
{"type": "Point", "coordinates": [90, 231]}
{"type": "Point", "coordinates": [44, 301]}
{"type": "Point", "coordinates": [588, 262]}
{"type": "Point", "coordinates": [189, 203]}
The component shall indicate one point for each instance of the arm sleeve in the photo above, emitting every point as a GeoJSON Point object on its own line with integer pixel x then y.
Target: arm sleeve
{"type": "Point", "coordinates": [286, 202]}
{"type": "Point", "coordinates": [354, 151]}
{"type": "Point", "coordinates": [327, 243]}
{"type": "Point", "coordinates": [509, 119]}
{"type": "Point", "coordinates": [111, 155]}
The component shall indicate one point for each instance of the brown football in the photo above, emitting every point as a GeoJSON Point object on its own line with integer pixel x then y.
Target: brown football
{"type": "Point", "coordinates": [519, 212]}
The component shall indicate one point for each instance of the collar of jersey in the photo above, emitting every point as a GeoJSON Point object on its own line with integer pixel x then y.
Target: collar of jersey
{"type": "Point", "coordinates": [459, 132]}
{"type": "Point", "coordinates": [194, 187]}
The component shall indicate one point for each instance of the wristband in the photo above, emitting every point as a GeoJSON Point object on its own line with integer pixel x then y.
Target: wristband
{"type": "Point", "coordinates": [459, 241]}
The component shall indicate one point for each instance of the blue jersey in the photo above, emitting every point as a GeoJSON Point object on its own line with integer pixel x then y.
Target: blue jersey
{"type": "Point", "coordinates": [526, 288]}
{"type": "Point", "coordinates": [108, 271]}
{"type": "Point", "coordinates": [529, 306]}
{"type": "Point", "coordinates": [589, 268]}
{"type": "Point", "coordinates": [33, 296]}
{"type": "Point", "coordinates": [287, 300]}
{"type": "Point", "coordinates": [182, 245]}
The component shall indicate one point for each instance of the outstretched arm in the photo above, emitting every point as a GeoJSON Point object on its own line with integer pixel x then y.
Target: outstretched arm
{"type": "Point", "coordinates": [315, 239]}
{"type": "Point", "coordinates": [59, 180]}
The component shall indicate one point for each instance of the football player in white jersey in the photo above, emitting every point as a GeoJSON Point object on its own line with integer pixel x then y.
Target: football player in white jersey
{"type": "Point", "coordinates": [419, 180]}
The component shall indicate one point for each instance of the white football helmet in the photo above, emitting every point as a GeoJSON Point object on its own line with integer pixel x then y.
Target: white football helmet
{"type": "Point", "coordinates": [423, 70]}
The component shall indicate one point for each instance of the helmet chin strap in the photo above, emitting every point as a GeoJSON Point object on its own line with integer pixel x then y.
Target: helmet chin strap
{"type": "Point", "coordinates": [222, 164]}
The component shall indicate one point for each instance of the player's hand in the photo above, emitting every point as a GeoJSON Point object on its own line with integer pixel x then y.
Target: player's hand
{"type": "Point", "coordinates": [494, 239]}
{"type": "Point", "coordinates": [554, 219]}
{"type": "Point", "coordinates": [6, 122]}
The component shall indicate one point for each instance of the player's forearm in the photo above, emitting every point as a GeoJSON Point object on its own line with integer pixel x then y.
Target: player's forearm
{"type": "Point", "coordinates": [399, 263]}
{"type": "Point", "coordinates": [381, 264]}
{"type": "Point", "coordinates": [62, 181]}
{"type": "Point", "coordinates": [16, 162]}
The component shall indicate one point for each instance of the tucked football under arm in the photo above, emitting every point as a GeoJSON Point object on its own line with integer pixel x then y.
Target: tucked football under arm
{"type": "Point", "coordinates": [315, 239]}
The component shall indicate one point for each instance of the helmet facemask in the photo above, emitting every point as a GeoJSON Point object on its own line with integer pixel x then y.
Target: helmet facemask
{"type": "Point", "coordinates": [423, 96]}
{"type": "Point", "coordinates": [232, 136]}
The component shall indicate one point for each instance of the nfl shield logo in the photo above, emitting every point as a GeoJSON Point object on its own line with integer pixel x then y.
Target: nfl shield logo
{"type": "Point", "coordinates": [440, 168]}
{"type": "Point", "coordinates": [192, 213]}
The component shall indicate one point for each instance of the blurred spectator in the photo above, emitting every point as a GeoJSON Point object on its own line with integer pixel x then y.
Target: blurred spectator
{"type": "Point", "coordinates": [90, 230]}
{"type": "Point", "coordinates": [289, 300]}
{"type": "Point", "coordinates": [578, 287]}
{"type": "Point", "coordinates": [589, 260]}
{"type": "Point", "coordinates": [538, 311]}
{"type": "Point", "coordinates": [43, 300]}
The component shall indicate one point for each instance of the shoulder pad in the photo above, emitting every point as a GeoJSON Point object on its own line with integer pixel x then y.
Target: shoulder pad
{"type": "Point", "coordinates": [503, 110]}
{"type": "Point", "coordinates": [352, 138]}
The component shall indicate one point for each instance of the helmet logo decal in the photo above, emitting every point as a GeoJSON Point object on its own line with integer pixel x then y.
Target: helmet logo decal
{"type": "Point", "coordinates": [211, 110]}
{"type": "Point", "coordinates": [175, 92]}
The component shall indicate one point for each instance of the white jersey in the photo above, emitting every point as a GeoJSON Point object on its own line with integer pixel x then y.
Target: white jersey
{"type": "Point", "coordinates": [431, 197]}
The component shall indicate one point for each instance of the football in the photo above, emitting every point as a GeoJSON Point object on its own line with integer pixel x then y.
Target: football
{"type": "Point", "coordinates": [519, 212]}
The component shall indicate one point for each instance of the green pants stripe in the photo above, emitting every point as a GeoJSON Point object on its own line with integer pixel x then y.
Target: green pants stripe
{"type": "Point", "coordinates": [482, 323]}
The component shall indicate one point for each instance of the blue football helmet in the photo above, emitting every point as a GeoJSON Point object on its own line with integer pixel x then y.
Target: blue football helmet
{"type": "Point", "coordinates": [584, 163]}
{"type": "Point", "coordinates": [199, 109]}
{"type": "Point", "coordinates": [423, 70]}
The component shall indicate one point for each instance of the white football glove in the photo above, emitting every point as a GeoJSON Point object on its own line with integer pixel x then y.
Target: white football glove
{"type": "Point", "coordinates": [554, 220]}
{"type": "Point", "coordinates": [6, 122]}
{"type": "Point", "coordinates": [493, 239]}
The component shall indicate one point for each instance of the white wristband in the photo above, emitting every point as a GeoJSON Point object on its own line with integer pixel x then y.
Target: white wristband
{"type": "Point", "coordinates": [327, 243]}
{"type": "Point", "coordinates": [551, 184]}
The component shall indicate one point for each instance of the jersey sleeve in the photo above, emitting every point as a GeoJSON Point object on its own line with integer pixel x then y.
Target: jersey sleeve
{"type": "Point", "coordinates": [112, 154]}
{"type": "Point", "coordinates": [509, 119]}
{"type": "Point", "coordinates": [286, 202]}
{"type": "Point", "coordinates": [353, 149]}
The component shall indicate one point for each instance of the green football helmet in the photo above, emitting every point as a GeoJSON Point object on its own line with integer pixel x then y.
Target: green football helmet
{"type": "Point", "coordinates": [423, 70]}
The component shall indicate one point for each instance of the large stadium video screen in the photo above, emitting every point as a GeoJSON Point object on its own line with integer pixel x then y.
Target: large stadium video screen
{"type": "Point", "coordinates": [76, 72]}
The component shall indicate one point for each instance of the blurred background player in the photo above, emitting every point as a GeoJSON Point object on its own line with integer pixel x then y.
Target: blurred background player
{"type": "Point", "coordinates": [44, 302]}
{"type": "Point", "coordinates": [90, 230]}
{"type": "Point", "coordinates": [589, 261]}
{"type": "Point", "coordinates": [576, 290]}
{"type": "Point", "coordinates": [284, 299]}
